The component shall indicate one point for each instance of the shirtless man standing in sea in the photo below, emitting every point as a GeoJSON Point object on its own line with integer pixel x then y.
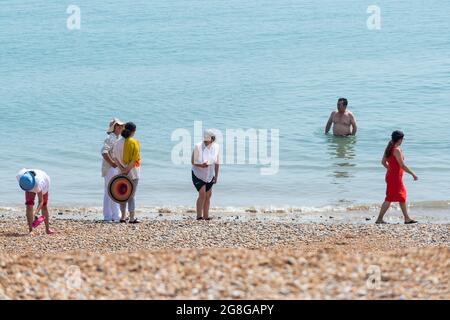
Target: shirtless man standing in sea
{"type": "Point", "coordinates": [343, 121]}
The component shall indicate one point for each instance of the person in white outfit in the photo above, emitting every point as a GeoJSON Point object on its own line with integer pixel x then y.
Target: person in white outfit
{"type": "Point", "coordinates": [111, 209]}
{"type": "Point", "coordinates": [205, 172]}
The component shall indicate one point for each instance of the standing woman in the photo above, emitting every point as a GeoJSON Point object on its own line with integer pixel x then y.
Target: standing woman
{"type": "Point", "coordinates": [393, 161]}
{"type": "Point", "coordinates": [205, 171]}
{"type": "Point", "coordinates": [109, 169]}
{"type": "Point", "coordinates": [126, 153]}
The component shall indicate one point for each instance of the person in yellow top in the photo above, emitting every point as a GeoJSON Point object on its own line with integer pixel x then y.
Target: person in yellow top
{"type": "Point", "coordinates": [126, 153]}
{"type": "Point", "coordinates": [131, 155]}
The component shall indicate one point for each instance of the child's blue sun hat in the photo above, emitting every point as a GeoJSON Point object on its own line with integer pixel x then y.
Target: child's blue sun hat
{"type": "Point", "coordinates": [27, 181]}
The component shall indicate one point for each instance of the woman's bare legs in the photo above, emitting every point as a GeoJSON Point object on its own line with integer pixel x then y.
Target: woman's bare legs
{"type": "Point", "coordinates": [384, 208]}
{"type": "Point", "coordinates": [405, 212]}
{"type": "Point", "coordinates": [201, 202]}
{"type": "Point", "coordinates": [206, 204]}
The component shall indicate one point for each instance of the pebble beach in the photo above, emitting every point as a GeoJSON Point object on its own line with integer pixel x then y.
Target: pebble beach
{"type": "Point", "coordinates": [223, 259]}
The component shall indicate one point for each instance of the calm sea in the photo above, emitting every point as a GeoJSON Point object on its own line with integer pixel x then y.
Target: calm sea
{"type": "Point", "coordinates": [232, 65]}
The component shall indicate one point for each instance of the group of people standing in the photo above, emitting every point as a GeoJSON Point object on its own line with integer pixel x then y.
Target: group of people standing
{"type": "Point", "coordinates": [121, 156]}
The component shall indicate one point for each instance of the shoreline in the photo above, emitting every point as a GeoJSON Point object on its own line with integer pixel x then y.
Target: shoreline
{"type": "Point", "coordinates": [356, 215]}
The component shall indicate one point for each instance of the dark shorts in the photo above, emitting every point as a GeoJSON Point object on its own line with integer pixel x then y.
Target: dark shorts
{"type": "Point", "coordinates": [198, 183]}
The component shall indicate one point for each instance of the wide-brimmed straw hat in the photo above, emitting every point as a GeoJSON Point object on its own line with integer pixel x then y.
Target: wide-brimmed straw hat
{"type": "Point", "coordinates": [120, 188]}
{"type": "Point", "coordinates": [113, 123]}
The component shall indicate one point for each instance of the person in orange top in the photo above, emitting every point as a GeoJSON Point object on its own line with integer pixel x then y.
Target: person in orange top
{"type": "Point", "coordinates": [394, 162]}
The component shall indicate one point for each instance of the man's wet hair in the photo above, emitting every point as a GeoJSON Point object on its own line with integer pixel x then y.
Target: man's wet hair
{"type": "Point", "coordinates": [343, 100]}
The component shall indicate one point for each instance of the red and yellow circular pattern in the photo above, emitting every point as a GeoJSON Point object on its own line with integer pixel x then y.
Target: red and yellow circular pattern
{"type": "Point", "coordinates": [120, 188]}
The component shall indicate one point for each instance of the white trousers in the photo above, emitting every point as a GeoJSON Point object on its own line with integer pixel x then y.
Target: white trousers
{"type": "Point", "coordinates": [111, 209]}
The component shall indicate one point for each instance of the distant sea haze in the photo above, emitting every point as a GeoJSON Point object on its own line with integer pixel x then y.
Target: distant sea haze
{"type": "Point", "coordinates": [278, 66]}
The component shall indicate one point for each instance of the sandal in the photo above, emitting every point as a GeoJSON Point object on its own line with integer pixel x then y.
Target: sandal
{"type": "Point", "coordinates": [38, 221]}
{"type": "Point", "coordinates": [199, 218]}
{"type": "Point", "coordinates": [135, 220]}
{"type": "Point", "coordinates": [411, 222]}
{"type": "Point", "coordinates": [123, 220]}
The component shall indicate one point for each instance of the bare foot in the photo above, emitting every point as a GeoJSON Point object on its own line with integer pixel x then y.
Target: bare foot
{"type": "Point", "coordinates": [380, 222]}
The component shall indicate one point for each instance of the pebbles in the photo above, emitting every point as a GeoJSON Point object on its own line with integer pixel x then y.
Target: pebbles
{"type": "Point", "coordinates": [97, 236]}
{"type": "Point", "coordinates": [216, 259]}
{"type": "Point", "coordinates": [227, 274]}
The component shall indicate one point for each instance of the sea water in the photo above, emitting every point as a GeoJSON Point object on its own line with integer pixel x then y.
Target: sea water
{"type": "Point", "coordinates": [253, 64]}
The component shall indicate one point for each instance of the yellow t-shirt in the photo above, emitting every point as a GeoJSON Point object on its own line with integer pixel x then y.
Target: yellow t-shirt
{"type": "Point", "coordinates": [131, 152]}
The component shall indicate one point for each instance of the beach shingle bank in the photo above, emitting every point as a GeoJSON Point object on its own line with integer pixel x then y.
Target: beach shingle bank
{"type": "Point", "coordinates": [224, 260]}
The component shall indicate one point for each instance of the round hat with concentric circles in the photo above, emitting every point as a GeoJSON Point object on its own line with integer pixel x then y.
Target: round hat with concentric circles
{"type": "Point", "coordinates": [120, 188]}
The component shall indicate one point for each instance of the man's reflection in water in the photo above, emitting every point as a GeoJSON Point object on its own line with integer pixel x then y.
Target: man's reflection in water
{"type": "Point", "coordinates": [342, 152]}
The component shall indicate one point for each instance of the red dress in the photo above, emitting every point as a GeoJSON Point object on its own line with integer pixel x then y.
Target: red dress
{"type": "Point", "coordinates": [395, 190]}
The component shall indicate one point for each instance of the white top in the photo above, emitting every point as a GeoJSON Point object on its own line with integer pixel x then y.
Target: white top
{"type": "Point", "coordinates": [202, 154]}
{"type": "Point", "coordinates": [42, 180]}
{"type": "Point", "coordinates": [107, 148]}
{"type": "Point", "coordinates": [117, 155]}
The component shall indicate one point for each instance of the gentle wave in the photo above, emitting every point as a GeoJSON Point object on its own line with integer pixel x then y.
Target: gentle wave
{"type": "Point", "coordinates": [270, 210]}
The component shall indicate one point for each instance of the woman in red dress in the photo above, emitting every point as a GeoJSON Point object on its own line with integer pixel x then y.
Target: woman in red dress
{"type": "Point", "coordinates": [393, 161]}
